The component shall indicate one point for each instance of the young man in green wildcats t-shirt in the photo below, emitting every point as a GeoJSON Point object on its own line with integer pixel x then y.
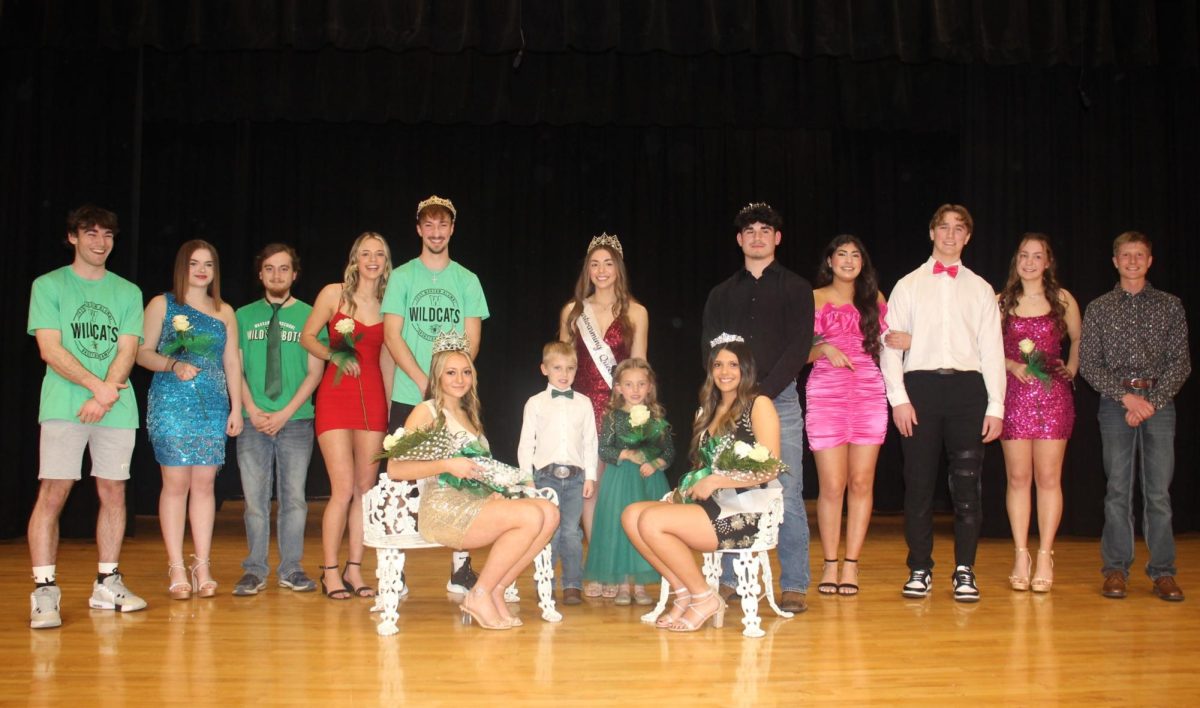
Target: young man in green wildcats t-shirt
{"type": "Point", "coordinates": [278, 380]}
{"type": "Point", "coordinates": [425, 296]}
{"type": "Point", "coordinates": [88, 325]}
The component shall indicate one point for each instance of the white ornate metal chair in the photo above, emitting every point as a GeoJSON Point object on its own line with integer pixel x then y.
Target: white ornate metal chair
{"type": "Point", "coordinates": [747, 562]}
{"type": "Point", "coordinates": [390, 511]}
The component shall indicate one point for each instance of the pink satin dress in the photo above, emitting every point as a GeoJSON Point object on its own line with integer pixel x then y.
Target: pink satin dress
{"type": "Point", "coordinates": [845, 406]}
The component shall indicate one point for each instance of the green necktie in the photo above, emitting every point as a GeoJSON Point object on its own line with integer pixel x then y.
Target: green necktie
{"type": "Point", "coordinates": [274, 383]}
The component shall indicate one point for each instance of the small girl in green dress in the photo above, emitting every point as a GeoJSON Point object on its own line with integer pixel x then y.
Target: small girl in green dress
{"type": "Point", "coordinates": [635, 443]}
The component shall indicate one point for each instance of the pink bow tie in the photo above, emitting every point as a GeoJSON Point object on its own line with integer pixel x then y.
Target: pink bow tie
{"type": "Point", "coordinates": [951, 271]}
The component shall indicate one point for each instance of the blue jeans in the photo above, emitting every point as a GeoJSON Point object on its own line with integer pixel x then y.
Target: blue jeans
{"type": "Point", "coordinates": [263, 460]}
{"type": "Point", "coordinates": [793, 534]}
{"type": "Point", "coordinates": [1150, 446]}
{"type": "Point", "coordinates": [567, 544]}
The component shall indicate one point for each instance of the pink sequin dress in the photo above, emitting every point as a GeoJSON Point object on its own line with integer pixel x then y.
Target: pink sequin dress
{"type": "Point", "coordinates": [588, 380]}
{"type": "Point", "coordinates": [1035, 411]}
{"type": "Point", "coordinates": [845, 406]}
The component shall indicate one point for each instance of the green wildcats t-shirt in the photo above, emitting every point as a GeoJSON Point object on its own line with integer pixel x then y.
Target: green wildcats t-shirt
{"type": "Point", "coordinates": [90, 315]}
{"type": "Point", "coordinates": [430, 303]}
{"type": "Point", "coordinates": [253, 321]}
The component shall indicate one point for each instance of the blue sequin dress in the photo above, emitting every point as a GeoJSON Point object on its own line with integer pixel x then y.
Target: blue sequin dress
{"type": "Point", "coordinates": [186, 419]}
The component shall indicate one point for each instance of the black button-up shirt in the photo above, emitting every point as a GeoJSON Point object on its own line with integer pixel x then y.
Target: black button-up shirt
{"type": "Point", "coordinates": [773, 313]}
{"type": "Point", "coordinates": [1128, 336]}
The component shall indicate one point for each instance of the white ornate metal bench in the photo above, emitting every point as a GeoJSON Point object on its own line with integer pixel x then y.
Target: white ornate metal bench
{"type": "Point", "coordinates": [390, 510]}
{"type": "Point", "coordinates": [746, 564]}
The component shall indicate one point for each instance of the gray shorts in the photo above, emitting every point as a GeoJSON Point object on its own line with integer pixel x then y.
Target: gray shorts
{"type": "Point", "coordinates": [62, 446]}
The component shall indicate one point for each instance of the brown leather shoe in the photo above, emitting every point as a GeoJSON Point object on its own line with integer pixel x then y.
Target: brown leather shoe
{"type": "Point", "coordinates": [1166, 588]}
{"type": "Point", "coordinates": [792, 601]}
{"type": "Point", "coordinates": [1114, 585]}
{"type": "Point", "coordinates": [572, 596]}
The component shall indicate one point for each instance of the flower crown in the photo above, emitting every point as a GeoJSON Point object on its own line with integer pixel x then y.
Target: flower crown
{"type": "Point", "coordinates": [752, 206]}
{"type": "Point", "coordinates": [435, 200]}
{"type": "Point", "coordinates": [724, 338]}
{"type": "Point", "coordinates": [608, 241]}
{"type": "Point", "coordinates": [448, 341]}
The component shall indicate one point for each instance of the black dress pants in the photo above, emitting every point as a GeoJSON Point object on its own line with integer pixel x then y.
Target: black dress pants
{"type": "Point", "coordinates": [950, 409]}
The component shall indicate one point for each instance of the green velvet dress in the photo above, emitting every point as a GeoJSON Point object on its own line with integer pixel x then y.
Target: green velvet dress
{"type": "Point", "coordinates": [611, 557]}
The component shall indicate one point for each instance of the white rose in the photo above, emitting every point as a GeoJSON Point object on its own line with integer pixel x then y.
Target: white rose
{"type": "Point", "coordinates": [742, 449]}
{"type": "Point", "coordinates": [345, 327]}
{"type": "Point", "coordinates": [389, 441]}
{"type": "Point", "coordinates": [1026, 346]}
{"type": "Point", "coordinates": [638, 415]}
{"type": "Point", "coordinates": [181, 323]}
{"type": "Point", "coordinates": [759, 453]}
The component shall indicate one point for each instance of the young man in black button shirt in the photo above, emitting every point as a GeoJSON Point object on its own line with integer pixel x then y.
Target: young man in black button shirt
{"type": "Point", "coordinates": [772, 308]}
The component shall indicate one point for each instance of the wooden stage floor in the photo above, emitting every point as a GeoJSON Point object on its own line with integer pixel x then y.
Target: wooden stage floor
{"type": "Point", "coordinates": [1071, 646]}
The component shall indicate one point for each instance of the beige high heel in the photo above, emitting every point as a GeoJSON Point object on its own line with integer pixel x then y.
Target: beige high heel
{"type": "Point", "coordinates": [1021, 582]}
{"type": "Point", "coordinates": [717, 615]}
{"type": "Point", "coordinates": [1043, 584]}
{"type": "Point", "coordinates": [469, 614]}
{"type": "Point", "coordinates": [683, 597]}
{"type": "Point", "coordinates": [181, 590]}
{"type": "Point", "coordinates": [209, 587]}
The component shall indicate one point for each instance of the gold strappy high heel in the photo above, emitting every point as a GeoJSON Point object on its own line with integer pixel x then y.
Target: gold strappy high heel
{"type": "Point", "coordinates": [181, 590]}
{"type": "Point", "coordinates": [1021, 582]}
{"type": "Point", "coordinates": [1040, 584]}
{"type": "Point", "coordinates": [209, 587]}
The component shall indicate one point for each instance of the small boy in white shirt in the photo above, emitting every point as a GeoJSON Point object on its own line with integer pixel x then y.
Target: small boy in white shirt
{"type": "Point", "coordinates": [558, 442]}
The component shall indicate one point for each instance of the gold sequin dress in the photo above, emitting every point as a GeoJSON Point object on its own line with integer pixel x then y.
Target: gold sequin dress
{"type": "Point", "coordinates": [446, 513]}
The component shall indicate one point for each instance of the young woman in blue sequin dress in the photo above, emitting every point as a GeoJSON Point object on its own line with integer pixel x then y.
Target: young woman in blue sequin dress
{"type": "Point", "coordinates": [191, 345]}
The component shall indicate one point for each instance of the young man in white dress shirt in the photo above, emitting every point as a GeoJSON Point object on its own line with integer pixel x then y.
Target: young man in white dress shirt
{"type": "Point", "coordinates": [559, 444]}
{"type": "Point", "coordinates": [946, 391]}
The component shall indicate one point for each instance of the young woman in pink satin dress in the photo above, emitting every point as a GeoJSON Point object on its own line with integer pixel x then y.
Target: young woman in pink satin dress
{"type": "Point", "coordinates": [1038, 415]}
{"type": "Point", "coordinates": [847, 407]}
{"type": "Point", "coordinates": [603, 306]}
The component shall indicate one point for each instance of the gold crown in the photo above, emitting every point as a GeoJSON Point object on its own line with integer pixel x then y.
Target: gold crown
{"type": "Point", "coordinates": [754, 205]}
{"type": "Point", "coordinates": [435, 200]}
{"type": "Point", "coordinates": [450, 341]}
{"type": "Point", "coordinates": [608, 241]}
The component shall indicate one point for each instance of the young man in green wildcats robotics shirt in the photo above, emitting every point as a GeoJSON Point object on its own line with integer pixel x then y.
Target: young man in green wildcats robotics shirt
{"type": "Point", "coordinates": [278, 380]}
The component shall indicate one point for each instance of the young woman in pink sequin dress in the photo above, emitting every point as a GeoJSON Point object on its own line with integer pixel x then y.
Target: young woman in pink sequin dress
{"type": "Point", "coordinates": [847, 407]}
{"type": "Point", "coordinates": [1038, 412]}
{"type": "Point", "coordinates": [602, 321]}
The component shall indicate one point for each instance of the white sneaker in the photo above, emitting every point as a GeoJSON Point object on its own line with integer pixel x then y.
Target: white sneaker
{"type": "Point", "coordinates": [43, 607]}
{"type": "Point", "coordinates": [111, 594]}
{"type": "Point", "coordinates": [918, 585]}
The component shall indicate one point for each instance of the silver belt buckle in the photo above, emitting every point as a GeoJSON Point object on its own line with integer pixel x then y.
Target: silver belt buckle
{"type": "Point", "coordinates": [561, 471]}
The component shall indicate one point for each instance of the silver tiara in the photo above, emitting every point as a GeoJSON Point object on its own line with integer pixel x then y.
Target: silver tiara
{"type": "Point", "coordinates": [754, 205]}
{"type": "Point", "coordinates": [449, 341]}
{"type": "Point", "coordinates": [722, 338]}
{"type": "Point", "coordinates": [606, 240]}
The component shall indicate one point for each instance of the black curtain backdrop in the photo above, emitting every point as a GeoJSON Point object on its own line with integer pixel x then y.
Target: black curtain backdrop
{"type": "Point", "coordinates": [310, 122]}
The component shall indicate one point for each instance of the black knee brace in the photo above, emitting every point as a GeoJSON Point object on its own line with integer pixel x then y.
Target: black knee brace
{"type": "Point", "coordinates": [965, 484]}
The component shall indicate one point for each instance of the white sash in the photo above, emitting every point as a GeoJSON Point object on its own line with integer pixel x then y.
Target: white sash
{"type": "Point", "coordinates": [593, 339]}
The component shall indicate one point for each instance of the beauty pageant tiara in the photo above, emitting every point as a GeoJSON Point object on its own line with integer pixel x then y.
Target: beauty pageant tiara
{"type": "Point", "coordinates": [435, 200]}
{"type": "Point", "coordinates": [724, 338]}
{"type": "Point", "coordinates": [447, 341]}
{"type": "Point", "coordinates": [607, 240]}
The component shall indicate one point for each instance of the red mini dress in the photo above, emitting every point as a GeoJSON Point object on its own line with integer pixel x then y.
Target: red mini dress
{"type": "Point", "coordinates": [355, 402]}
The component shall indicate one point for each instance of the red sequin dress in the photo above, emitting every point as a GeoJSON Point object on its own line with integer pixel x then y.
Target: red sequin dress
{"type": "Point", "coordinates": [1036, 410]}
{"type": "Point", "coordinates": [354, 403]}
{"type": "Point", "coordinates": [588, 380]}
